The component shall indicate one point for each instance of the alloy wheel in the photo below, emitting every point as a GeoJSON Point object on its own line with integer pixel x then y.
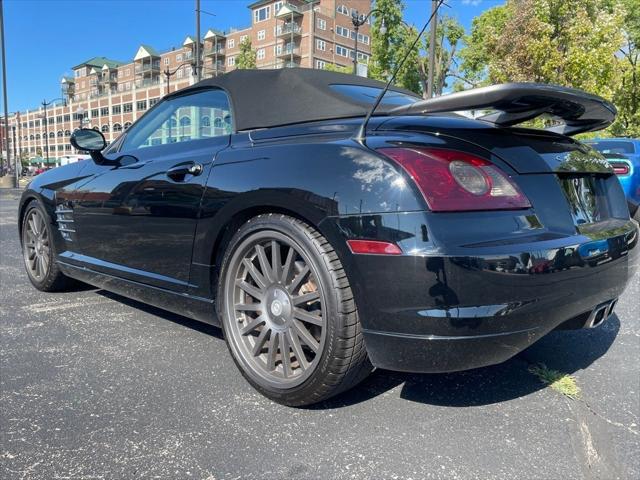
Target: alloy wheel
{"type": "Point", "coordinates": [275, 309]}
{"type": "Point", "coordinates": [36, 245]}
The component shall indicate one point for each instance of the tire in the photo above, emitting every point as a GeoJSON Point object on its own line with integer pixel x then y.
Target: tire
{"type": "Point", "coordinates": [37, 251]}
{"type": "Point", "coordinates": [265, 309]}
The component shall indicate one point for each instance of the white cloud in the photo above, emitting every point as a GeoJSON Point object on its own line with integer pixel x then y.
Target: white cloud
{"type": "Point", "coordinates": [473, 3]}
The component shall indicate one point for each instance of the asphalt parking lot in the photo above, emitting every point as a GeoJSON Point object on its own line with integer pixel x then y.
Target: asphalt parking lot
{"type": "Point", "coordinates": [97, 386]}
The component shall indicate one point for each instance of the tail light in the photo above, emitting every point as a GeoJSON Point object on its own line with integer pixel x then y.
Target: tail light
{"type": "Point", "coordinates": [457, 181]}
{"type": "Point", "coordinates": [620, 168]}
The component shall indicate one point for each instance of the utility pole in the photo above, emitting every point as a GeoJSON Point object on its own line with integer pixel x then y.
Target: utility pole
{"type": "Point", "coordinates": [4, 90]}
{"type": "Point", "coordinates": [197, 63]}
{"type": "Point", "coordinates": [432, 47]}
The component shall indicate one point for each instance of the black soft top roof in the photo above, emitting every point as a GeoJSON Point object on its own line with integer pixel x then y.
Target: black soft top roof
{"type": "Point", "coordinates": [269, 98]}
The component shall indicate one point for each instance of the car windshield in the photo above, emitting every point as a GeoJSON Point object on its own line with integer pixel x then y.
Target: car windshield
{"type": "Point", "coordinates": [613, 146]}
{"type": "Point", "coordinates": [363, 94]}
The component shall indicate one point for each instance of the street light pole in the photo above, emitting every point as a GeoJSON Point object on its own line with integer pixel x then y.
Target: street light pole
{"type": "Point", "coordinates": [197, 63]}
{"type": "Point", "coordinates": [4, 90]}
{"type": "Point", "coordinates": [170, 73]}
{"type": "Point", "coordinates": [45, 104]}
{"type": "Point", "coordinates": [432, 47]}
{"type": "Point", "coordinates": [357, 20]}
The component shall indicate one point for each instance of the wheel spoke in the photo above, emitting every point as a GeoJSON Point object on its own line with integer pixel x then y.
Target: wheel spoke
{"type": "Point", "coordinates": [284, 355]}
{"type": "Point", "coordinates": [306, 336]}
{"type": "Point", "coordinates": [264, 263]}
{"type": "Point", "coordinates": [250, 289]}
{"type": "Point", "coordinates": [253, 271]}
{"type": "Point", "coordinates": [248, 307]}
{"type": "Point", "coordinates": [257, 348]}
{"type": "Point", "coordinates": [292, 336]}
{"type": "Point", "coordinates": [297, 281]}
{"type": "Point", "coordinates": [41, 226]}
{"type": "Point", "coordinates": [272, 352]}
{"type": "Point", "coordinates": [286, 270]}
{"type": "Point", "coordinates": [32, 225]}
{"type": "Point", "coordinates": [306, 298]}
{"type": "Point", "coordinates": [251, 325]}
{"type": "Point", "coordinates": [276, 261]}
{"type": "Point", "coordinates": [308, 317]}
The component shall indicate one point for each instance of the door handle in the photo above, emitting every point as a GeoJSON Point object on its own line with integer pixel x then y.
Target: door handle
{"type": "Point", "coordinates": [179, 172]}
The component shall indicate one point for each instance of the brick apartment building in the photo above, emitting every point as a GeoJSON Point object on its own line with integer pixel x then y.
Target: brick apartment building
{"type": "Point", "coordinates": [108, 95]}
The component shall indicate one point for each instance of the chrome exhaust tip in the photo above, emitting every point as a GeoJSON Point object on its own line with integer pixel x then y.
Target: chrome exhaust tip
{"type": "Point", "coordinates": [600, 314]}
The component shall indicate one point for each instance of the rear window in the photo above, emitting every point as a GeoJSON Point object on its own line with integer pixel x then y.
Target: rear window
{"type": "Point", "coordinates": [362, 94]}
{"type": "Point", "coordinates": [613, 146]}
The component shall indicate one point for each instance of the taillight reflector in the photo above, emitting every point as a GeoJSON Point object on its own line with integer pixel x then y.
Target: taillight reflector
{"type": "Point", "coordinates": [374, 247]}
{"type": "Point", "coordinates": [457, 181]}
{"type": "Point", "coordinates": [620, 168]}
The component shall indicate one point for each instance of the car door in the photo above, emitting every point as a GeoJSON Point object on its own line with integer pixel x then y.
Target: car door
{"type": "Point", "coordinates": [137, 219]}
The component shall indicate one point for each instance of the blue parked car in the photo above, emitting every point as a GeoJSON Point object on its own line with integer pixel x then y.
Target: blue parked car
{"type": "Point", "coordinates": [624, 155]}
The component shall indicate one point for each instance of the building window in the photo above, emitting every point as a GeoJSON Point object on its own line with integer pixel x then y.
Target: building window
{"type": "Point", "coordinates": [37, 123]}
{"type": "Point", "coordinates": [105, 128]}
{"type": "Point", "coordinates": [243, 38]}
{"type": "Point", "coordinates": [180, 73]}
{"type": "Point", "coordinates": [127, 108]}
{"type": "Point", "coordinates": [262, 34]}
{"type": "Point", "coordinates": [127, 125]}
{"type": "Point", "coordinates": [260, 54]}
{"type": "Point", "coordinates": [141, 105]}
{"type": "Point", "coordinates": [59, 119]}
{"type": "Point", "coordinates": [104, 111]}
{"type": "Point", "coordinates": [320, 64]}
{"type": "Point", "coordinates": [185, 121]}
{"type": "Point", "coordinates": [188, 55]}
{"type": "Point", "coordinates": [261, 14]}
{"type": "Point", "coordinates": [117, 127]}
{"type": "Point", "coordinates": [342, 51]}
{"type": "Point", "coordinates": [363, 38]}
{"type": "Point", "coordinates": [277, 49]}
{"type": "Point", "coordinates": [231, 61]}
{"type": "Point", "coordinates": [127, 72]}
{"type": "Point", "coordinates": [343, 10]}
{"type": "Point", "coordinates": [321, 45]}
{"type": "Point", "coordinates": [231, 43]}
{"type": "Point", "coordinates": [343, 32]}
{"type": "Point", "coordinates": [205, 122]}
{"type": "Point", "coordinates": [322, 24]}
{"type": "Point", "coordinates": [166, 60]}
{"type": "Point", "coordinates": [94, 113]}
{"type": "Point", "coordinates": [116, 109]}
{"type": "Point", "coordinates": [60, 133]}
{"type": "Point", "coordinates": [67, 117]}
{"type": "Point", "coordinates": [179, 57]}
{"type": "Point", "coordinates": [276, 7]}
{"type": "Point", "coordinates": [153, 101]}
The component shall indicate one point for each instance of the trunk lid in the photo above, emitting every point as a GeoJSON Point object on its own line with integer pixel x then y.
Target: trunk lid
{"type": "Point", "coordinates": [524, 150]}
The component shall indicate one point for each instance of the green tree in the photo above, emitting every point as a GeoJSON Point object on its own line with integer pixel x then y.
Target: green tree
{"type": "Point", "coordinates": [247, 56]}
{"type": "Point", "coordinates": [332, 67]}
{"type": "Point", "coordinates": [387, 49]}
{"type": "Point", "coordinates": [449, 34]}
{"type": "Point", "coordinates": [627, 94]}
{"type": "Point", "coordinates": [566, 42]}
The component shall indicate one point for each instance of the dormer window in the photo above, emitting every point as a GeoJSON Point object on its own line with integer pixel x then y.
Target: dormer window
{"type": "Point", "coordinates": [262, 14]}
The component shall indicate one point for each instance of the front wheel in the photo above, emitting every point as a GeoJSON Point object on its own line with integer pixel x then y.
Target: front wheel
{"type": "Point", "coordinates": [288, 312]}
{"type": "Point", "coordinates": [37, 251]}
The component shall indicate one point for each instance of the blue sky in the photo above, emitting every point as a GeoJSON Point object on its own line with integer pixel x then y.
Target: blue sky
{"type": "Point", "coordinates": [45, 38]}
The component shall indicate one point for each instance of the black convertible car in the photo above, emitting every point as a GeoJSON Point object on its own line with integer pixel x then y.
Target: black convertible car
{"type": "Point", "coordinates": [326, 245]}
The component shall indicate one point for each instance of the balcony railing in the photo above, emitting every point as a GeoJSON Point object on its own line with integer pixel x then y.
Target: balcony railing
{"type": "Point", "coordinates": [288, 52]}
{"type": "Point", "coordinates": [289, 29]}
{"type": "Point", "coordinates": [211, 51]}
{"type": "Point", "coordinates": [147, 67]}
{"type": "Point", "coordinates": [148, 82]}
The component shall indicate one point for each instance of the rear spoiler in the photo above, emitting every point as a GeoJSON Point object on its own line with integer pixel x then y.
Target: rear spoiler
{"type": "Point", "coordinates": [518, 102]}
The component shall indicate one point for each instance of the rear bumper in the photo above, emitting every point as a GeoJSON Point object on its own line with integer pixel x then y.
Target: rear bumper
{"type": "Point", "coordinates": [441, 313]}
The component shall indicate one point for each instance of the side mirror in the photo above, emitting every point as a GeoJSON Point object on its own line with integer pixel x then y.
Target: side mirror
{"type": "Point", "coordinates": [91, 141]}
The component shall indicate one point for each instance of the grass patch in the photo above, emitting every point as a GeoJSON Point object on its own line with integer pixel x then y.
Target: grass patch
{"type": "Point", "coordinates": [560, 382]}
